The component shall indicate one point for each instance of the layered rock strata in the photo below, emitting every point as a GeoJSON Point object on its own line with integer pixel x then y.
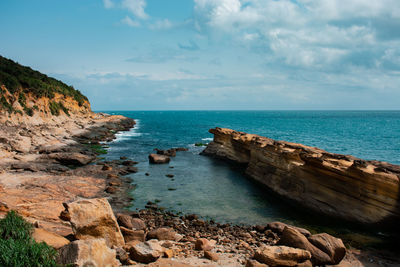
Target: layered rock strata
{"type": "Point", "coordinates": [338, 185]}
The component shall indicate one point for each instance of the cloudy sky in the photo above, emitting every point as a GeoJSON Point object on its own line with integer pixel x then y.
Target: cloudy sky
{"type": "Point", "coordinates": [212, 54]}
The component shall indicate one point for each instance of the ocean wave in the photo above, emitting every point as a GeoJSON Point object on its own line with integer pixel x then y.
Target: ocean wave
{"type": "Point", "coordinates": [120, 136]}
{"type": "Point", "coordinates": [207, 139]}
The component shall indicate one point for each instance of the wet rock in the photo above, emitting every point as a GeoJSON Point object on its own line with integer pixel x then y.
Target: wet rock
{"type": "Point", "coordinates": [131, 169]}
{"type": "Point", "coordinates": [163, 233]}
{"type": "Point", "coordinates": [146, 252]}
{"type": "Point", "coordinates": [158, 159]}
{"type": "Point", "coordinates": [293, 238]}
{"type": "Point", "coordinates": [278, 227]}
{"type": "Point", "coordinates": [170, 175]}
{"type": "Point", "coordinates": [52, 239]}
{"type": "Point", "coordinates": [93, 252]}
{"type": "Point", "coordinates": [332, 246]}
{"type": "Point", "coordinates": [281, 255]}
{"type": "Point", "coordinates": [211, 256]}
{"type": "Point", "coordinates": [94, 218]}
{"type": "Point", "coordinates": [130, 235]}
{"type": "Point", "coordinates": [204, 244]}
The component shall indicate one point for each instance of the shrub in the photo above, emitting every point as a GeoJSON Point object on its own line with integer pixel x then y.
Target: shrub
{"type": "Point", "coordinates": [15, 76]}
{"type": "Point", "coordinates": [15, 227]}
{"type": "Point", "coordinates": [17, 246]}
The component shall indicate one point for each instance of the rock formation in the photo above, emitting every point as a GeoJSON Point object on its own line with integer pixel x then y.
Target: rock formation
{"type": "Point", "coordinates": [338, 185]}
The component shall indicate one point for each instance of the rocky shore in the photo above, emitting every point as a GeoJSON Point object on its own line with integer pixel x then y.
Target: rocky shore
{"type": "Point", "coordinates": [45, 164]}
{"type": "Point", "coordinates": [77, 203]}
{"type": "Point", "coordinates": [337, 185]}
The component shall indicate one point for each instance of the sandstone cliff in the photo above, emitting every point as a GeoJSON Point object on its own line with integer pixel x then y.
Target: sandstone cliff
{"type": "Point", "coordinates": [338, 185]}
{"type": "Point", "coordinates": [28, 96]}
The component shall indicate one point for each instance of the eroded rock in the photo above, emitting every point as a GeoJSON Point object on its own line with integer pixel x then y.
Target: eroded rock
{"type": "Point", "coordinates": [332, 246]}
{"type": "Point", "coordinates": [281, 256]}
{"type": "Point", "coordinates": [94, 218]}
{"type": "Point", "coordinates": [293, 238]}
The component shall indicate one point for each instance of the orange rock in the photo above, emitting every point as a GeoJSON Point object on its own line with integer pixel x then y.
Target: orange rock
{"type": "Point", "coordinates": [54, 240]}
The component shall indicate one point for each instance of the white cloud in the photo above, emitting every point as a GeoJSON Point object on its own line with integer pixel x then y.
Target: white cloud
{"type": "Point", "coordinates": [306, 33]}
{"type": "Point", "coordinates": [108, 3]}
{"type": "Point", "coordinates": [161, 24]}
{"type": "Point", "coordinates": [136, 7]}
{"type": "Point", "coordinates": [128, 21]}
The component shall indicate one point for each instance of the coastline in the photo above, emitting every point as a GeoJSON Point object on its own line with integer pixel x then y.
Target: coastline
{"type": "Point", "coordinates": [45, 165]}
{"type": "Point", "coordinates": [40, 194]}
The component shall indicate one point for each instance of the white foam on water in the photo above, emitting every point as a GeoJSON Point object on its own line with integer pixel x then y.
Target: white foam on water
{"type": "Point", "coordinates": [207, 139]}
{"type": "Point", "coordinates": [128, 134]}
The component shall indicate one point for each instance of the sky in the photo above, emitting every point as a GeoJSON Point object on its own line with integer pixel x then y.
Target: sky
{"type": "Point", "coordinates": [212, 54]}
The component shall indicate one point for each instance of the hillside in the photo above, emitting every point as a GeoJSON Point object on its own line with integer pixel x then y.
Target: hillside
{"type": "Point", "coordinates": [28, 92]}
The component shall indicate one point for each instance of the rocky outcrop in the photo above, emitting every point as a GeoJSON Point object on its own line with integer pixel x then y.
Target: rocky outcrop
{"type": "Point", "coordinates": [338, 185]}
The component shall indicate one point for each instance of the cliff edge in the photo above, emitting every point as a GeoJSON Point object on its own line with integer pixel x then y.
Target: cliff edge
{"type": "Point", "coordinates": [338, 185]}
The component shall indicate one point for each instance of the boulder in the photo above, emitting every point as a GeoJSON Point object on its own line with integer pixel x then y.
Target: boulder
{"type": "Point", "coordinates": [94, 218]}
{"type": "Point", "coordinates": [293, 238]}
{"type": "Point", "coordinates": [204, 244]}
{"type": "Point", "coordinates": [158, 159]}
{"type": "Point", "coordinates": [52, 239]}
{"type": "Point", "coordinates": [146, 252]}
{"type": "Point", "coordinates": [332, 246]}
{"type": "Point", "coordinates": [130, 235]}
{"type": "Point", "coordinates": [281, 256]}
{"type": "Point", "coordinates": [124, 220]}
{"type": "Point", "coordinates": [93, 252]}
{"type": "Point", "coordinates": [163, 233]}
{"type": "Point", "coordinates": [278, 227]}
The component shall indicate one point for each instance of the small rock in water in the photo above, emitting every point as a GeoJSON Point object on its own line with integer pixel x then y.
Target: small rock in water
{"type": "Point", "coordinates": [169, 175]}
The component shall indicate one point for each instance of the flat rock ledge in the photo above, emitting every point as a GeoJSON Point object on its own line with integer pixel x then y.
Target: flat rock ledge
{"type": "Point", "coordinates": [338, 185]}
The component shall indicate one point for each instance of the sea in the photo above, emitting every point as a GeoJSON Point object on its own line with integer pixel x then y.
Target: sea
{"type": "Point", "coordinates": [219, 191]}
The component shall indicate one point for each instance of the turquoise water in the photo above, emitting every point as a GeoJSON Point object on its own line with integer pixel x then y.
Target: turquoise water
{"type": "Point", "coordinates": [214, 189]}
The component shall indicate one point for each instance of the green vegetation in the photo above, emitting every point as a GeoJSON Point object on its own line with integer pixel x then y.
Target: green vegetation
{"type": "Point", "coordinates": [15, 76]}
{"type": "Point", "coordinates": [17, 246]}
{"type": "Point", "coordinates": [97, 148]}
{"type": "Point", "coordinates": [55, 108]}
{"type": "Point", "coordinates": [4, 103]}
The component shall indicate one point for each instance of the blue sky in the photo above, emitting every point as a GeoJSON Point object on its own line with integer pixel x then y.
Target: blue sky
{"type": "Point", "coordinates": [212, 54]}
